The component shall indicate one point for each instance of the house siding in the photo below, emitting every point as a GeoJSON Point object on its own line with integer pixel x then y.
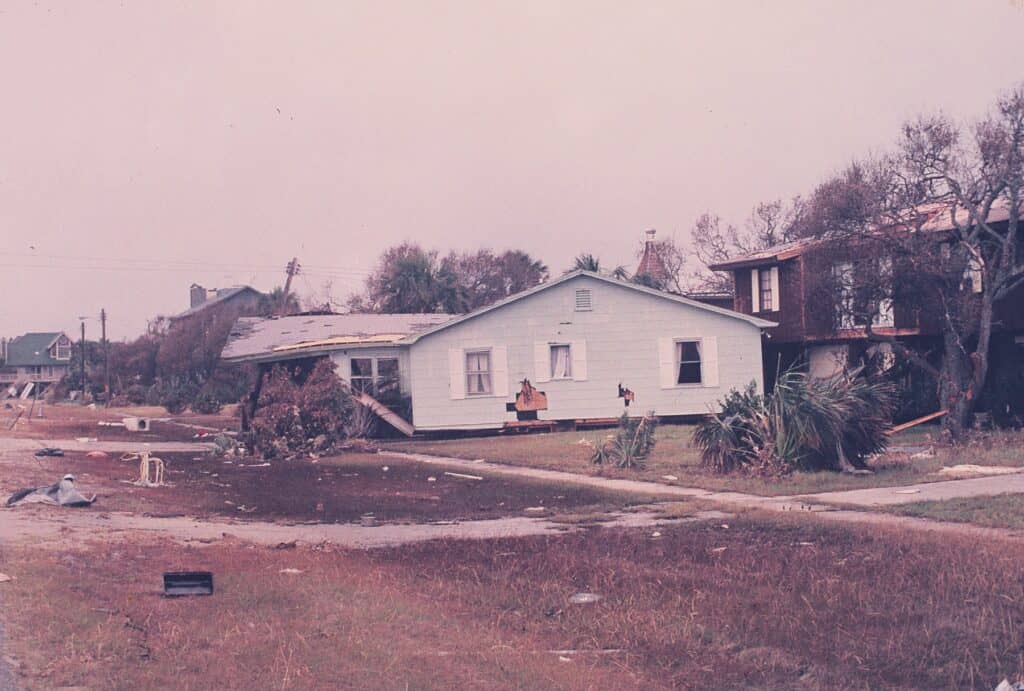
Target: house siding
{"type": "Point", "coordinates": [621, 334]}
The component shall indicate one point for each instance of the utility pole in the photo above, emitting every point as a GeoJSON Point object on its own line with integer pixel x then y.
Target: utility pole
{"type": "Point", "coordinates": [82, 347]}
{"type": "Point", "coordinates": [291, 270]}
{"type": "Point", "coordinates": [106, 357]}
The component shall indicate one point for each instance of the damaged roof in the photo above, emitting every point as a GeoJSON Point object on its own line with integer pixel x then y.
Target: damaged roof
{"type": "Point", "coordinates": [280, 338]}
{"type": "Point", "coordinates": [930, 218]}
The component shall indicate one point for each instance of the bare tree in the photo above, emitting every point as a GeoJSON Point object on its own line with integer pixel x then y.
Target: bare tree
{"type": "Point", "coordinates": [945, 225]}
{"type": "Point", "coordinates": [713, 240]}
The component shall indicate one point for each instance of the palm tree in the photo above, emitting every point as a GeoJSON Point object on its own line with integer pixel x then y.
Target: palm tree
{"type": "Point", "coordinates": [588, 262]}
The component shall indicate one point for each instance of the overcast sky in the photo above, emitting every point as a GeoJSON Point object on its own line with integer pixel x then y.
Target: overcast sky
{"type": "Point", "coordinates": [149, 145]}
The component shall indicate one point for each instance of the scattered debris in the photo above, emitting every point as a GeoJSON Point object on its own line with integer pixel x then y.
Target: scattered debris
{"type": "Point", "coordinates": [290, 571]}
{"type": "Point", "coordinates": [718, 550]}
{"type": "Point", "coordinates": [584, 598]}
{"type": "Point", "coordinates": [137, 424]}
{"type": "Point", "coordinates": [670, 478]}
{"type": "Point", "coordinates": [108, 423]}
{"type": "Point", "coordinates": [656, 534]}
{"type": "Point", "coordinates": [86, 440]}
{"type": "Point", "coordinates": [1005, 685]}
{"type": "Point", "coordinates": [368, 520]}
{"type": "Point", "coordinates": [908, 491]}
{"type": "Point", "coordinates": [62, 493]}
{"type": "Point", "coordinates": [461, 475]}
{"type": "Point", "coordinates": [534, 509]}
{"type": "Point", "coordinates": [178, 583]}
{"type": "Point", "coordinates": [97, 454]}
{"type": "Point", "coordinates": [4, 578]}
{"type": "Point", "coordinates": [286, 545]}
{"type": "Point", "coordinates": [431, 479]}
{"type": "Point", "coordinates": [49, 451]}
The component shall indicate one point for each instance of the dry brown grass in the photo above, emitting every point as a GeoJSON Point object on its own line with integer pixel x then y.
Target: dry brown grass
{"type": "Point", "coordinates": [675, 455]}
{"type": "Point", "coordinates": [779, 604]}
{"type": "Point", "coordinates": [999, 511]}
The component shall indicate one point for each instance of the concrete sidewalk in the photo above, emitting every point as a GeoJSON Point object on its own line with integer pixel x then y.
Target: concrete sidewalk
{"type": "Point", "coordinates": [881, 496]}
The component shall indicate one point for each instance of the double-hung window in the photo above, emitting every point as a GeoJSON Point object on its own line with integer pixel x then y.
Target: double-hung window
{"type": "Point", "coordinates": [478, 373]}
{"type": "Point", "coordinates": [561, 361]}
{"type": "Point", "coordinates": [688, 369]}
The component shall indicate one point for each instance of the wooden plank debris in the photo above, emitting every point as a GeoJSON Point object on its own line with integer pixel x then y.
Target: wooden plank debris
{"type": "Point", "coordinates": [386, 414]}
{"type": "Point", "coordinates": [914, 423]}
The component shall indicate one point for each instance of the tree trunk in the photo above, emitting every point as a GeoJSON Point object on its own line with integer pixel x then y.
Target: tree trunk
{"type": "Point", "coordinates": [956, 391]}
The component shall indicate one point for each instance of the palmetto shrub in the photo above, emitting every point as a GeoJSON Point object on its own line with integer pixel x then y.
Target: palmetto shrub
{"type": "Point", "coordinates": [805, 423]}
{"type": "Point", "coordinates": [631, 444]}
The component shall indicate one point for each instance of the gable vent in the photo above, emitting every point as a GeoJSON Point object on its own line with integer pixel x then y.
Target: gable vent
{"type": "Point", "coordinates": [583, 301]}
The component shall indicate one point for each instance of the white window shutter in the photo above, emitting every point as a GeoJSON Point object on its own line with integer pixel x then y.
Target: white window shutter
{"type": "Point", "coordinates": [755, 292]}
{"type": "Point", "coordinates": [667, 362]}
{"type": "Point", "coordinates": [709, 360]}
{"type": "Point", "coordinates": [776, 295]}
{"type": "Point", "coordinates": [499, 371]}
{"type": "Point", "coordinates": [541, 362]}
{"type": "Point", "coordinates": [456, 373]}
{"type": "Point", "coordinates": [579, 360]}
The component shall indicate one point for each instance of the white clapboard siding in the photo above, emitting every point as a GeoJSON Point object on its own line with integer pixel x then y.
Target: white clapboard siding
{"type": "Point", "coordinates": [456, 373]}
{"type": "Point", "coordinates": [709, 360]}
{"type": "Point", "coordinates": [541, 362]}
{"type": "Point", "coordinates": [499, 371]}
{"type": "Point", "coordinates": [579, 360]}
{"type": "Point", "coordinates": [755, 292]}
{"type": "Point", "coordinates": [667, 362]}
{"type": "Point", "coordinates": [776, 295]}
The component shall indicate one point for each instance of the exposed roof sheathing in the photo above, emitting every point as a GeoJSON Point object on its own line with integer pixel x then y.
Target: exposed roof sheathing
{"type": "Point", "coordinates": [279, 338]}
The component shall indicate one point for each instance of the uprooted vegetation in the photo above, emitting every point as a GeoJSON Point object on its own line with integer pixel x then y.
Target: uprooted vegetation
{"type": "Point", "coordinates": [805, 423]}
{"type": "Point", "coordinates": [297, 415]}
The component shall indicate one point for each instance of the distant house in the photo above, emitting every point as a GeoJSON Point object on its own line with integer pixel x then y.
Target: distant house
{"type": "Point", "coordinates": [584, 339]}
{"type": "Point", "coordinates": [242, 299]}
{"type": "Point", "coordinates": [39, 358]}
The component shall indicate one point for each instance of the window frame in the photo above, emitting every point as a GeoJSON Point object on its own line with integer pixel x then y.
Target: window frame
{"type": "Point", "coordinates": [467, 372]}
{"type": "Point", "coordinates": [369, 379]}
{"type": "Point", "coordinates": [551, 361]}
{"type": "Point", "coordinates": [764, 288]}
{"type": "Point", "coordinates": [679, 362]}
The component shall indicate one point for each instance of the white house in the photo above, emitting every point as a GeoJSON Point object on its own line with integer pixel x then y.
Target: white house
{"type": "Point", "coordinates": [581, 339]}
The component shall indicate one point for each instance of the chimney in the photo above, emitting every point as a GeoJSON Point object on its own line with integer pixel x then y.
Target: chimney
{"type": "Point", "coordinates": [196, 295]}
{"type": "Point", "coordinates": [651, 264]}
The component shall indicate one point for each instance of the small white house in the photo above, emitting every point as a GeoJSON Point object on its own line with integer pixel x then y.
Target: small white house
{"type": "Point", "coordinates": [581, 338]}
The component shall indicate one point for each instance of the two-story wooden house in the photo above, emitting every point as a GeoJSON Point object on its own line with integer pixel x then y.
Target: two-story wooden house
{"type": "Point", "coordinates": [39, 359]}
{"type": "Point", "coordinates": [800, 286]}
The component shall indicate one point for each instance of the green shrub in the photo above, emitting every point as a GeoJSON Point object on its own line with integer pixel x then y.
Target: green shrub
{"type": "Point", "coordinates": [631, 445]}
{"type": "Point", "coordinates": [806, 423]}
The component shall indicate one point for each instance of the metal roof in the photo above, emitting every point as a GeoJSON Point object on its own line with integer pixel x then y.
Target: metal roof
{"type": "Point", "coordinates": [931, 218]}
{"type": "Point", "coordinates": [33, 349]}
{"type": "Point", "coordinates": [281, 338]}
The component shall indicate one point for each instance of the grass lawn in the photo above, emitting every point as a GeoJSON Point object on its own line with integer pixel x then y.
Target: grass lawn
{"type": "Point", "coordinates": [675, 455]}
{"type": "Point", "coordinates": [999, 511]}
{"type": "Point", "coordinates": [762, 603]}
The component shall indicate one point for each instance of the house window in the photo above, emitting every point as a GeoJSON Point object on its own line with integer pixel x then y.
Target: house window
{"type": "Point", "coordinates": [63, 349]}
{"type": "Point", "coordinates": [362, 375]}
{"type": "Point", "coordinates": [842, 272]}
{"type": "Point", "coordinates": [388, 381]}
{"type": "Point", "coordinates": [478, 373]}
{"type": "Point", "coordinates": [764, 278]}
{"type": "Point", "coordinates": [561, 362]}
{"type": "Point", "coordinates": [688, 362]}
{"type": "Point", "coordinates": [583, 301]}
